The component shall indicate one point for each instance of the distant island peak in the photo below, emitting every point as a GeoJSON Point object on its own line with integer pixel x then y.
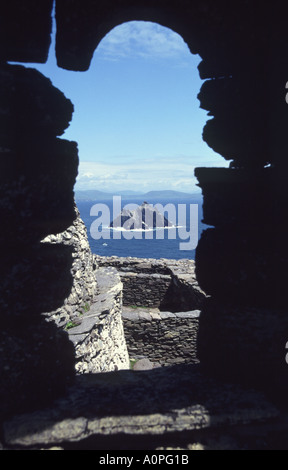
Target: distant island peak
{"type": "Point", "coordinates": [144, 217]}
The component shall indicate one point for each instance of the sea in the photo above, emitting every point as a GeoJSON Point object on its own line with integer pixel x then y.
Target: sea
{"type": "Point", "coordinates": [177, 243]}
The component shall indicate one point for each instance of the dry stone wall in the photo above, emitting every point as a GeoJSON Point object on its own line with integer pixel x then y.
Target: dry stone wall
{"type": "Point", "coordinates": [161, 283]}
{"type": "Point", "coordinates": [145, 289]}
{"type": "Point", "coordinates": [98, 335]}
{"type": "Point", "coordinates": [161, 308]}
{"type": "Point", "coordinates": [91, 313]}
{"type": "Point", "coordinates": [83, 271]}
{"type": "Point", "coordinates": [163, 337]}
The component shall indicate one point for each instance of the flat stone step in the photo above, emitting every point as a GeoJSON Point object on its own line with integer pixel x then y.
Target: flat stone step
{"type": "Point", "coordinates": [140, 404]}
{"type": "Point", "coordinates": [150, 314]}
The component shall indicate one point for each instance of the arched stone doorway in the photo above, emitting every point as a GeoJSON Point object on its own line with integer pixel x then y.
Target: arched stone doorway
{"type": "Point", "coordinates": [242, 46]}
{"type": "Point", "coordinates": [231, 263]}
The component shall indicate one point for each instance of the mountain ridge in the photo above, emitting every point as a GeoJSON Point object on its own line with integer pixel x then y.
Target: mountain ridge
{"type": "Point", "coordinates": [93, 195]}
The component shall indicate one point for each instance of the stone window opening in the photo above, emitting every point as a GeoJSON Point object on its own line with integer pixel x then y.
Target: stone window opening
{"type": "Point", "coordinates": [243, 323]}
{"type": "Point", "coordinates": [164, 287]}
{"type": "Point", "coordinates": [173, 296]}
{"type": "Point", "coordinates": [171, 293]}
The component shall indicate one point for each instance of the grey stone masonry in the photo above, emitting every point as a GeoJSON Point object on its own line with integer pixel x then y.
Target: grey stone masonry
{"type": "Point", "coordinates": [163, 337]}
{"type": "Point", "coordinates": [91, 313]}
{"type": "Point", "coordinates": [83, 272]}
{"type": "Point", "coordinates": [169, 285]}
{"type": "Point", "coordinates": [161, 308]}
{"type": "Point", "coordinates": [98, 335]}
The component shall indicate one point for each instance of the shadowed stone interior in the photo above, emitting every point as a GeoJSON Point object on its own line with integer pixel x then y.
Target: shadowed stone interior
{"type": "Point", "coordinates": [240, 262]}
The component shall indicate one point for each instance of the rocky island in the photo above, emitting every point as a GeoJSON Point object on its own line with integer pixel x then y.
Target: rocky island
{"type": "Point", "coordinates": [144, 217]}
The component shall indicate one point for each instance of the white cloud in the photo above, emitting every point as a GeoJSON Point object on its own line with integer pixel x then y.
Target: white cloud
{"type": "Point", "coordinates": [141, 175]}
{"type": "Point", "coordinates": [142, 39]}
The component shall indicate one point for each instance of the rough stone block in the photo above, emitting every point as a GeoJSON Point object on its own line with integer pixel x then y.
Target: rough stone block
{"type": "Point", "coordinates": [25, 29]}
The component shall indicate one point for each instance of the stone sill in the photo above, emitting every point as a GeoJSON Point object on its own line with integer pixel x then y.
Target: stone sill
{"type": "Point", "coordinates": [144, 403]}
{"type": "Point", "coordinates": [149, 315]}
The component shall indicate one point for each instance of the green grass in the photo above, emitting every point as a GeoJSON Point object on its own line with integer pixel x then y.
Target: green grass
{"type": "Point", "coordinates": [132, 363]}
{"type": "Point", "coordinates": [138, 306]}
{"type": "Point", "coordinates": [70, 325]}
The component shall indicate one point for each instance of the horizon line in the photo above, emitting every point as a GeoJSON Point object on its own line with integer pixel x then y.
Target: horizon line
{"type": "Point", "coordinates": [136, 192]}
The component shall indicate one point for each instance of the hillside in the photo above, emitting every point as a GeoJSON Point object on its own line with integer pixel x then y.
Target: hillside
{"type": "Point", "coordinates": [94, 195]}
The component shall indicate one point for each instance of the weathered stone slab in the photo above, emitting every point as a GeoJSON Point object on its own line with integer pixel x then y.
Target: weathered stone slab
{"type": "Point", "coordinates": [139, 403]}
{"type": "Point", "coordinates": [193, 314]}
{"type": "Point", "coordinates": [165, 315]}
{"type": "Point", "coordinates": [132, 315]}
{"type": "Point", "coordinates": [99, 337]}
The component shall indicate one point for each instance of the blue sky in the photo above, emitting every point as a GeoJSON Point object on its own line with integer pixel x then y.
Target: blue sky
{"type": "Point", "coordinates": [136, 117]}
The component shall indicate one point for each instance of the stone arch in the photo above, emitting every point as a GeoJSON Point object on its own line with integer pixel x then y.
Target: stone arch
{"type": "Point", "coordinates": [232, 266]}
{"type": "Point", "coordinates": [240, 262]}
{"type": "Point", "coordinates": [187, 106]}
{"type": "Point", "coordinates": [229, 90]}
{"type": "Point", "coordinates": [100, 20]}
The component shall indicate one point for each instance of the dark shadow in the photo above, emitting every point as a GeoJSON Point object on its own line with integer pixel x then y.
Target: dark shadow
{"type": "Point", "coordinates": [181, 298]}
{"type": "Point", "coordinates": [37, 359]}
{"type": "Point", "coordinates": [37, 176]}
{"type": "Point", "coordinates": [135, 404]}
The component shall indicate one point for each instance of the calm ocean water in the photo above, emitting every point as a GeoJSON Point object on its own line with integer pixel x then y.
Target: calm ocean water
{"type": "Point", "coordinates": [142, 248]}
